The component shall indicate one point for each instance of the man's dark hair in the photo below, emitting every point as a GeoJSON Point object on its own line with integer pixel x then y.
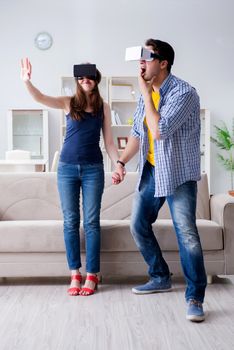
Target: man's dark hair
{"type": "Point", "coordinates": [164, 50]}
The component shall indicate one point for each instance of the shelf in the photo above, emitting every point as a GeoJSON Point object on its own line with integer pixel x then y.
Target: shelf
{"type": "Point", "coordinates": [121, 126]}
{"type": "Point", "coordinates": [123, 101]}
{"type": "Point", "coordinates": [32, 135]}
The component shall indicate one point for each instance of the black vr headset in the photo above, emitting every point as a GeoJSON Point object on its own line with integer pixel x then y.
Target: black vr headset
{"type": "Point", "coordinates": [85, 70]}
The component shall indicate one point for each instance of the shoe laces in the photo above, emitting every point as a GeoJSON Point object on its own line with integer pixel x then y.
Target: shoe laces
{"type": "Point", "coordinates": [195, 302]}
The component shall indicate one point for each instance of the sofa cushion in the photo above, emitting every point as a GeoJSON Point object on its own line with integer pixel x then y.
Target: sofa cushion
{"type": "Point", "coordinates": [29, 196]}
{"type": "Point", "coordinates": [211, 235]}
{"type": "Point", "coordinates": [34, 196]}
{"type": "Point", "coordinates": [31, 236]}
{"type": "Point", "coordinates": [47, 236]}
{"type": "Point", "coordinates": [116, 236]}
{"type": "Point", "coordinates": [117, 200]}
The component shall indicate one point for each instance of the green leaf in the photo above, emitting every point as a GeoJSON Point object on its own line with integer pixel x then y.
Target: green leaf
{"type": "Point", "coordinates": [227, 163]}
{"type": "Point", "coordinates": [225, 141]}
{"type": "Point", "coordinates": [223, 138]}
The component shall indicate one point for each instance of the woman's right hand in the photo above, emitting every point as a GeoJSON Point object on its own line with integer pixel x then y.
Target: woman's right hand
{"type": "Point", "coordinates": [26, 69]}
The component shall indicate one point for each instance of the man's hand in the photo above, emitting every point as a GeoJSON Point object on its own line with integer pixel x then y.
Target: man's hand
{"type": "Point", "coordinates": [26, 69]}
{"type": "Point", "coordinates": [118, 174]}
{"type": "Point", "coordinates": [146, 87]}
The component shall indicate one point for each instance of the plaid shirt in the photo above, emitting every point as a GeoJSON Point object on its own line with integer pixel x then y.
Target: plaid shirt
{"type": "Point", "coordinates": [177, 153]}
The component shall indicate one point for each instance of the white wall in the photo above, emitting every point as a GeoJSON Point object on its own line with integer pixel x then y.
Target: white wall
{"type": "Point", "coordinates": [201, 31]}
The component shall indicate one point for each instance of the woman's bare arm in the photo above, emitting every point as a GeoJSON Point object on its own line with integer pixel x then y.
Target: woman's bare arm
{"type": "Point", "coordinates": [61, 102]}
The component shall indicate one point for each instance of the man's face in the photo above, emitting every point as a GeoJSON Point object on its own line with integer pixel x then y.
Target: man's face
{"type": "Point", "coordinates": [149, 69]}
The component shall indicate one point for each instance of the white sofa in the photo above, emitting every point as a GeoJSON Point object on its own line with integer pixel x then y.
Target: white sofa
{"type": "Point", "coordinates": [31, 230]}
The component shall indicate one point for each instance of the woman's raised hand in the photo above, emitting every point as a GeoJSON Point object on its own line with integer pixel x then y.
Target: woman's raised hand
{"type": "Point", "coordinates": [26, 69]}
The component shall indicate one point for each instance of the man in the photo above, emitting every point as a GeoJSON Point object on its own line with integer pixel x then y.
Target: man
{"type": "Point", "coordinates": [166, 131]}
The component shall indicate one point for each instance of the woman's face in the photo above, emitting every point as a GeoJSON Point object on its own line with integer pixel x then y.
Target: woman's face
{"type": "Point", "coordinates": [86, 83]}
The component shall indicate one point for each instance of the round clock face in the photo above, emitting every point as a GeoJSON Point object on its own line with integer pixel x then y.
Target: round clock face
{"type": "Point", "coordinates": [43, 41]}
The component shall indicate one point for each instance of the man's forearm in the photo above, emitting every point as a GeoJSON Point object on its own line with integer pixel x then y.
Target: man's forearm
{"type": "Point", "coordinates": [131, 149]}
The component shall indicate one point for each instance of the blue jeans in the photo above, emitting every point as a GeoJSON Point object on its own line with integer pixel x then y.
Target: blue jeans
{"type": "Point", "coordinates": [182, 206]}
{"type": "Point", "coordinates": [90, 179]}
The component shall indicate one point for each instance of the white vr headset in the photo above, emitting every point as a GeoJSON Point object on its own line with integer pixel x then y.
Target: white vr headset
{"type": "Point", "coordinates": [138, 53]}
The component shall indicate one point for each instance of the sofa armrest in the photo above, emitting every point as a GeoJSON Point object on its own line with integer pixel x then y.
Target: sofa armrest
{"type": "Point", "coordinates": [222, 212]}
{"type": "Point", "coordinates": [220, 205]}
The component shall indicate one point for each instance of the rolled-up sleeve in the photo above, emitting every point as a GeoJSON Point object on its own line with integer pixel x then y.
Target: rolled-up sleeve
{"type": "Point", "coordinates": [135, 132]}
{"type": "Point", "coordinates": [174, 113]}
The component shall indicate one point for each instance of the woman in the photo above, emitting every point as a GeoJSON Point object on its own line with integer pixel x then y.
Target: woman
{"type": "Point", "coordinates": [80, 168]}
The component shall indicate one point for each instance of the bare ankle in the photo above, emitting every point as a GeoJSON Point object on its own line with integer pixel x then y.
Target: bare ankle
{"type": "Point", "coordinates": [75, 272]}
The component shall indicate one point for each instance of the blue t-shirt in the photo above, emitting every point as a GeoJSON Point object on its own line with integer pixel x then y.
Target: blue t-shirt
{"type": "Point", "coordinates": [81, 144]}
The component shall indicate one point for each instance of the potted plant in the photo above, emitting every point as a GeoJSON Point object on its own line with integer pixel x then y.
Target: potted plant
{"type": "Point", "coordinates": [225, 141]}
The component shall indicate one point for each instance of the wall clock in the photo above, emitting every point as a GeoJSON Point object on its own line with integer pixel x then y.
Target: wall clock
{"type": "Point", "coordinates": [43, 41]}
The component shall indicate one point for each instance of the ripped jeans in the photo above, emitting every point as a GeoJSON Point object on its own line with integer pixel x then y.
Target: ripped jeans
{"type": "Point", "coordinates": [182, 206]}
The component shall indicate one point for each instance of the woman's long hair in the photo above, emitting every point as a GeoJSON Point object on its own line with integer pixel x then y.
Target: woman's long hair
{"type": "Point", "coordinates": [79, 101]}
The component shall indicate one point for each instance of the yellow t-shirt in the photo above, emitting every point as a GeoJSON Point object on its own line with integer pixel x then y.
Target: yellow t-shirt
{"type": "Point", "coordinates": [150, 155]}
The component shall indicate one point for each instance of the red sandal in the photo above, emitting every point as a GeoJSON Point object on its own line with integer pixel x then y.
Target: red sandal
{"type": "Point", "coordinates": [74, 291]}
{"type": "Point", "coordinates": [89, 291]}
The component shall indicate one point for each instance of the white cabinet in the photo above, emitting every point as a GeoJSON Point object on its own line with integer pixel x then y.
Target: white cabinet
{"type": "Point", "coordinates": [28, 131]}
{"type": "Point", "coordinates": [123, 96]}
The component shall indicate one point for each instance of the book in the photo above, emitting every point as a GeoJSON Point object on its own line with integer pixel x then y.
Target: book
{"type": "Point", "coordinates": [117, 119]}
{"type": "Point", "coordinates": [113, 120]}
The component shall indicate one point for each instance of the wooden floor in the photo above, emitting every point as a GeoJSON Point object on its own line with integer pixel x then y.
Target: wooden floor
{"type": "Point", "coordinates": [38, 315]}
